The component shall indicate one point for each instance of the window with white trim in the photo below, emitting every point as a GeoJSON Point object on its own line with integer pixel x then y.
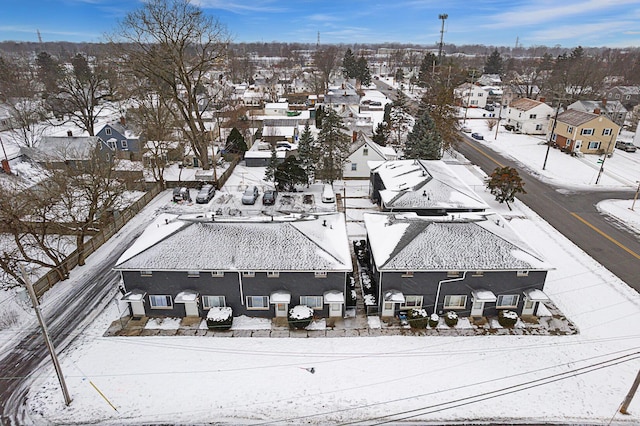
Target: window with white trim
{"type": "Point", "coordinates": [617, 95]}
{"type": "Point", "coordinates": [594, 145]}
{"type": "Point", "coordinates": [112, 144]}
{"type": "Point", "coordinates": [273, 274]}
{"type": "Point", "coordinates": [354, 167]}
{"type": "Point", "coordinates": [607, 132]}
{"type": "Point", "coordinates": [627, 97]}
{"type": "Point", "coordinates": [217, 274]}
{"type": "Point", "coordinates": [553, 137]}
{"type": "Point", "coordinates": [209, 302]}
{"type": "Point", "coordinates": [522, 273]}
{"type": "Point", "coordinates": [569, 129]}
{"type": "Point", "coordinates": [532, 116]}
{"type": "Point", "coordinates": [124, 144]}
{"type": "Point", "coordinates": [453, 274]}
{"type": "Point", "coordinates": [507, 301]}
{"type": "Point", "coordinates": [193, 274]}
{"type": "Point", "coordinates": [586, 132]}
{"type": "Point", "coordinates": [365, 150]}
{"type": "Point", "coordinates": [160, 301]}
{"type": "Point", "coordinates": [107, 131]}
{"type": "Point", "coordinates": [453, 301]}
{"type": "Point", "coordinates": [258, 302]}
{"type": "Point", "coordinates": [412, 302]}
{"type": "Point", "coordinates": [538, 126]}
{"type": "Point", "coordinates": [146, 273]}
{"type": "Point", "coordinates": [320, 274]}
{"type": "Point", "coordinates": [248, 274]}
{"type": "Point", "coordinates": [314, 302]}
{"type": "Point", "coordinates": [407, 274]}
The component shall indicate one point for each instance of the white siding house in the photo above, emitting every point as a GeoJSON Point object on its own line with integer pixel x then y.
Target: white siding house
{"type": "Point", "coordinates": [364, 149]}
{"type": "Point", "coordinates": [528, 116]}
{"type": "Point", "coordinates": [471, 96]}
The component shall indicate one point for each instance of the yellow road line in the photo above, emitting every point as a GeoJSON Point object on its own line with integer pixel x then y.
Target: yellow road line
{"type": "Point", "coordinates": [483, 153]}
{"type": "Point", "coordinates": [613, 240]}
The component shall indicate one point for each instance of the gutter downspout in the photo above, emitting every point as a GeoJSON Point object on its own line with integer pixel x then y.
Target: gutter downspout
{"type": "Point", "coordinates": [241, 290]}
{"type": "Point", "coordinates": [435, 306]}
{"type": "Point", "coordinates": [380, 301]}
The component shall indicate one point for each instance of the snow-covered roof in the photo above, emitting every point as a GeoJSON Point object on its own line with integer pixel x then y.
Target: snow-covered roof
{"type": "Point", "coordinates": [186, 296]}
{"type": "Point", "coordinates": [313, 243]}
{"type": "Point", "coordinates": [424, 184]}
{"type": "Point", "coordinates": [470, 241]}
{"type": "Point", "coordinates": [333, 296]}
{"type": "Point", "coordinates": [280, 297]}
{"type": "Point", "coordinates": [536, 295]}
{"type": "Point", "coordinates": [483, 296]}
{"type": "Point", "coordinates": [61, 148]}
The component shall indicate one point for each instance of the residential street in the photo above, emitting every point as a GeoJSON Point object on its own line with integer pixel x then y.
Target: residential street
{"type": "Point", "coordinates": [573, 213]}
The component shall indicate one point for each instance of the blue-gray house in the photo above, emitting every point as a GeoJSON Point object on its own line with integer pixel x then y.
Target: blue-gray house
{"type": "Point", "coordinates": [471, 263]}
{"type": "Point", "coordinates": [120, 139]}
{"type": "Point", "coordinates": [260, 267]}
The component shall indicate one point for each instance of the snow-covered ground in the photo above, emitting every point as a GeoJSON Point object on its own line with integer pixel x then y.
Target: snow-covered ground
{"type": "Point", "coordinates": [567, 379]}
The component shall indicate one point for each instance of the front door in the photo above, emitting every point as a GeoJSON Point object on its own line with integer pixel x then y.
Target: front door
{"type": "Point", "coordinates": [576, 147]}
{"type": "Point", "coordinates": [137, 308]}
{"type": "Point", "coordinates": [529, 307]}
{"type": "Point", "coordinates": [477, 308]}
{"type": "Point", "coordinates": [191, 309]}
{"type": "Point", "coordinates": [388, 309]}
{"type": "Point", "coordinates": [281, 309]}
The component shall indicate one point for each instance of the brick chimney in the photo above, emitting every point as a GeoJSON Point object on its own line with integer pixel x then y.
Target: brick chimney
{"type": "Point", "coordinates": [596, 111]}
{"type": "Point", "coordinates": [69, 133]}
{"type": "Point", "coordinates": [604, 102]}
{"type": "Point", "coordinates": [123, 121]}
{"type": "Point", "coordinates": [355, 136]}
{"type": "Point", "coordinates": [542, 99]}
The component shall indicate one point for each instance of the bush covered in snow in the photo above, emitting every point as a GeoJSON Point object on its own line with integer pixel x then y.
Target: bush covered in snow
{"type": "Point", "coordinates": [351, 290]}
{"type": "Point", "coordinates": [451, 318]}
{"type": "Point", "coordinates": [362, 252]}
{"type": "Point", "coordinates": [417, 318]}
{"type": "Point", "coordinates": [219, 318]}
{"type": "Point", "coordinates": [300, 316]}
{"type": "Point", "coordinates": [507, 318]}
{"type": "Point", "coordinates": [434, 320]}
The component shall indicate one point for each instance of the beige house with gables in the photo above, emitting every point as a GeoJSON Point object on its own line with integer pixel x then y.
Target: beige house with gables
{"type": "Point", "coordinates": [583, 132]}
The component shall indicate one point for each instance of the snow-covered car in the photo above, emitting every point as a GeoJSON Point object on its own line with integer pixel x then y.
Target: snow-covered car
{"type": "Point", "coordinates": [205, 194]}
{"type": "Point", "coordinates": [250, 195]}
{"type": "Point", "coordinates": [477, 136]}
{"type": "Point", "coordinates": [626, 146]}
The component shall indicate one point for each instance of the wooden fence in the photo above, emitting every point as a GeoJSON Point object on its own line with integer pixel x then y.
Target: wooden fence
{"type": "Point", "coordinates": [50, 278]}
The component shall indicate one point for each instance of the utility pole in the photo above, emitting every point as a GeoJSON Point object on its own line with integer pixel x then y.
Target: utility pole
{"type": "Point", "coordinates": [604, 158]}
{"type": "Point", "coordinates": [635, 197]}
{"type": "Point", "coordinates": [553, 129]}
{"type": "Point", "coordinates": [630, 395]}
{"type": "Point", "coordinates": [45, 333]}
{"type": "Point", "coordinates": [466, 110]}
{"type": "Point", "coordinates": [443, 17]}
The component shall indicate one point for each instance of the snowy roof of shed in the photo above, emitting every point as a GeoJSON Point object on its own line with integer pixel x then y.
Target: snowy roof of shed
{"type": "Point", "coordinates": [470, 241]}
{"type": "Point", "coordinates": [61, 148]}
{"type": "Point", "coordinates": [424, 184]}
{"type": "Point", "coordinates": [311, 243]}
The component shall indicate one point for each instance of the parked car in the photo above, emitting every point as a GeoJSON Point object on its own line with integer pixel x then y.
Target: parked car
{"type": "Point", "coordinates": [489, 108]}
{"type": "Point", "coordinates": [626, 146]}
{"type": "Point", "coordinates": [269, 197]}
{"type": "Point", "coordinates": [205, 194]}
{"type": "Point", "coordinates": [466, 129]}
{"type": "Point", "coordinates": [181, 194]}
{"type": "Point", "coordinates": [477, 136]}
{"type": "Point", "coordinates": [250, 195]}
{"type": "Point", "coordinates": [328, 196]}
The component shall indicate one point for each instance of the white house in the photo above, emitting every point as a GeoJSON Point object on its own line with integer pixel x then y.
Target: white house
{"type": "Point", "coordinates": [364, 149]}
{"type": "Point", "coordinates": [276, 108]}
{"type": "Point", "coordinates": [470, 95]}
{"type": "Point", "coordinates": [528, 116]}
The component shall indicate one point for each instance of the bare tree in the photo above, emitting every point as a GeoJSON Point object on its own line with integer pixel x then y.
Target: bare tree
{"type": "Point", "coordinates": [326, 60]}
{"type": "Point", "coordinates": [175, 47]}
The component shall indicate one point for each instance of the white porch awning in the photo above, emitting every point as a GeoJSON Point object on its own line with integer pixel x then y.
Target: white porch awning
{"type": "Point", "coordinates": [186, 296]}
{"type": "Point", "coordinates": [134, 295]}
{"type": "Point", "coordinates": [280, 297]}
{"type": "Point", "coordinates": [483, 296]}
{"type": "Point", "coordinates": [333, 296]}
{"type": "Point", "coordinates": [394, 296]}
{"type": "Point", "coordinates": [536, 295]}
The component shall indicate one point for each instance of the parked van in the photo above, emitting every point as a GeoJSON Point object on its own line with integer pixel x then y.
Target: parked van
{"type": "Point", "coordinates": [328, 196]}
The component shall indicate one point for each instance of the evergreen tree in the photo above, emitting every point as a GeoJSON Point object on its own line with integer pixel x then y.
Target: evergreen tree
{"type": "Point", "coordinates": [386, 117]}
{"type": "Point", "coordinates": [494, 64]}
{"type": "Point", "coordinates": [235, 142]}
{"type": "Point", "coordinates": [349, 64]}
{"type": "Point", "coordinates": [289, 174]}
{"type": "Point", "coordinates": [426, 69]}
{"type": "Point", "coordinates": [334, 146]}
{"type": "Point", "coordinates": [504, 183]}
{"type": "Point", "coordinates": [424, 141]}
{"type": "Point", "coordinates": [270, 172]}
{"type": "Point", "coordinates": [381, 134]}
{"type": "Point", "coordinates": [319, 116]}
{"type": "Point", "coordinates": [399, 119]}
{"type": "Point", "coordinates": [362, 71]}
{"type": "Point", "coordinates": [307, 151]}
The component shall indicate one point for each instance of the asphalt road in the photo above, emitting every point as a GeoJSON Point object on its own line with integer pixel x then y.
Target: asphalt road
{"type": "Point", "coordinates": [65, 319]}
{"type": "Point", "coordinates": [573, 213]}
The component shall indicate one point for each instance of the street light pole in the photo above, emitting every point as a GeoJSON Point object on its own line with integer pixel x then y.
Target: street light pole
{"type": "Point", "coordinates": [635, 197]}
{"type": "Point", "coordinates": [604, 158]}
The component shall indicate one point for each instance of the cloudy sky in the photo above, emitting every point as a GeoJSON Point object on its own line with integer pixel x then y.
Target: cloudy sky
{"type": "Point", "coordinates": [568, 23]}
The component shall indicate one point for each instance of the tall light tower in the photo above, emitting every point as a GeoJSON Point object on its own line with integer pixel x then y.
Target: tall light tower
{"type": "Point", "coordinates": [443, 17]}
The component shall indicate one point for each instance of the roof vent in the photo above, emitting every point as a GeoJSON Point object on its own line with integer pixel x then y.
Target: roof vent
{"type": "Point", "coordinates": [324, 222]}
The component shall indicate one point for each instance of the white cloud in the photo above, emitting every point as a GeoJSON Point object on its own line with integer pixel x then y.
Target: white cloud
{"type": "Point", "coordinates": [240, 7]}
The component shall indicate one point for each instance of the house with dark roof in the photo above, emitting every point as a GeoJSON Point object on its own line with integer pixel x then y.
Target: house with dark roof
{"type": "Point", "coordinates": [121, 140]}
{"type": "Point", "coordinates": [474, 264]}
{"type": "Point", "coordinates": [629, 96]}
{"type": "Point", "coordinates": [260, 267]}
{"type": "Point", "coordinates": [529, 116]}
{"type": "Point", "coordinates": [583, 132]}
{"type": "Point", "coordinates": [427, 187]}
{"type": "Point", "coordinates": [614, 110]}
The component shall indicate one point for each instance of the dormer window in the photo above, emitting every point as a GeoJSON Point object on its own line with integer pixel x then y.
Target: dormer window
{"type": "Point", "coordinates": [107, 131]}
